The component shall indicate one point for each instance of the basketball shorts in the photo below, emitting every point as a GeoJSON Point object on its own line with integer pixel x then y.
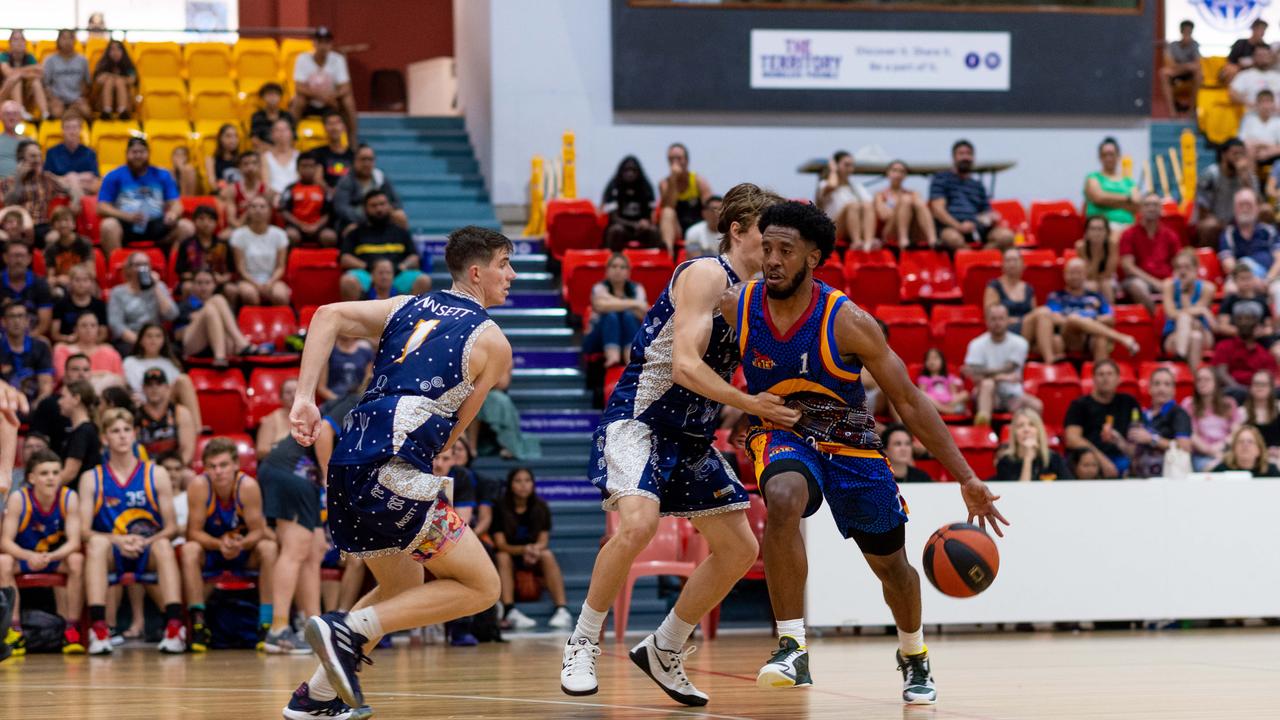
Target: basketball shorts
{"type": "Point", "coordinates": [861, 491]}
{"type": "Point", "coordinates": [683, 473]}
{"type": "Point", "coordinates": [391, 508]}
{"type": "Point", "coordinates": [24, 568]}
{"type": "Point", "coordinates": [215, 564]}
{"type": "Point", "coordinates": [137, 566]}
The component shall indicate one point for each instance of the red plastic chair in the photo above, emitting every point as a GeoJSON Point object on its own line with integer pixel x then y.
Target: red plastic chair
{"type": "Point", "coordinates": [909, 333]}
{"type": "Point", "coordinates": [862, 258]}
{"type": "Point", "coordinates": [1011, 214]}
{"type": "Point", "coordinates": [1210, 268]}
{"type": "Point", "coordinates": [120, 256]}
{"type": "Point", "coordinates": [268, 324]}
{"type": "Point", "coordinates": [1059, 230]}
{"type": "Point", "coordinates": [978, 445]}
{"type": "Point", "coordinates": [244, 449]}
{"type": "Point", "coordinates": [572, 224]}
{"type": "Point", "coordinates": [872, 285]}
{"type": "Point", "coordinates": [223, 399]}
{"type": "Point", "coordinates": [831, 272]}
{"type": "Point", "coordinates": [668, 553]}
{"type": "Point", "coordinates": [40, 580]}
{"type": "Point", "coordinates": [87, 222]}
{"type": "Point", "coordinates": [1136, 321]}
{"type": "Point", "coordinates": [611, 378]}
{"type": "Point", "coordinates": [264, 391]}
{"type": "Point", "coordinates": [928, 275]}
{"type": "Point", "coordinates": [305, 314]}
{"type": "Point", "coordinates": [1056, 386]}
{"type": "Point", "coordinates": [954, 327]}
{"type": "Point", "coordinates": [314, 275]}
{"type": "Point", "coordinates": [581, 270]}
{"type": "Point", "coordinates": [974, 269]}
{"type": "Point", "coordinates": [654, 278]}
{"type": "Point", "coordinates": [1041, 208]}
{"type": "Point", "coordinates": [647, 256]}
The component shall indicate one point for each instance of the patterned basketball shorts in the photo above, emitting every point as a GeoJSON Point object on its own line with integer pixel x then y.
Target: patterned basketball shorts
{"type": "Point", "coordinates": [391, 508]}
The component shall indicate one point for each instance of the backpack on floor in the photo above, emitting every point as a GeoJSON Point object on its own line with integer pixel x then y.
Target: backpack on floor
{"type": "Point", "coordinates": [233, 620]}
{"type": "Point", "coordinates": [43, 631]}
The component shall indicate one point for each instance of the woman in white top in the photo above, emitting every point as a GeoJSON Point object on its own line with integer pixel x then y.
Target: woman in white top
{"type": "Point", "coordinates": [848, 204]}
{"type": "Point", "coordinates": [260, 249]}
{"type": "Point", "coordinates": [281, 166]}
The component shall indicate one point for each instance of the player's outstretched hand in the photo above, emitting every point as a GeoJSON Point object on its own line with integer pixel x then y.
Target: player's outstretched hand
{"type": "Point", "coordinates": [305, 421]}
{"type": "Point", "coordinates": [982, 505]}
{"type": "Point", "coordinates": [12, 402]}
{"type": "Point", "coordinates": [768, 406]}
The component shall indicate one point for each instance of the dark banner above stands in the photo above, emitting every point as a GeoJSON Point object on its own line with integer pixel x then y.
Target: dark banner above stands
{"type": "Point", "coordinates": [846, 58]}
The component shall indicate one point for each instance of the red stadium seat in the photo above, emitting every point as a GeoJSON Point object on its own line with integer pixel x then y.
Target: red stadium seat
{"type": "Point", "coordinates": [581, 270]}
{"type": "Point", "coordinates": [264, 391]}
{"type": "Point", "coordinates": [1042, 271]}
{"type": "Point", "coordinates": [1059, 230]}
{"type": "Point", "coordinates": [120, 256]}
{"type": "Point", "coordinates": [978, 445]}
{"type": "Point", "coordinates": [611, 378]}
{"type": "Point", "coordinates": [933, 469]}
{"type": "Point", "coordinates": [87, 222]}
{"type": "Point", "coordinates": [314, 275]}
{"type": "Point", "coordinates": [647, 256]}
{"type": "Point", "coordinates": [1041, 208]}
{"type": "Point", "coordinates": [572, 224]}
{"type": "Point", "coordinates": [40, 580]}
{"type": "Point", "coordinates": [1056, 386]}
{"type": "Point", "coordinates": [305, 314]}
{"type": "Point", "coordinates": [267, 323]}
{"type": "Point", "coordinates": [909, 334]}
{"type": "Point", "coordinates": [974, 269]}
{"type": "Point", "coordinates": [1136, 321]}
{"type": "Point", "coordinates": [224, 404]}
{"type": "Point", "coordinates": [954, 327]}
{"type": "Point", "coordinates": [244, 449]}
{"type": "Point", "coordinates": [654, 278]}
{"type": "Point", "coordinates": [672, 551]}
{"type": "Point", "coordinates": [1011, 214]}
{"type": "Point", "coordinates": [1183, 379]}
{"type": "Point", "coordinates": [862, 258]}
{"type": "Point", "coordinates": [872, 285]}
{"type": "Point", "coordinates": [1210, 268]}
{"type": "Point", "coordinates": [928, 275]}
{"type": "Point", "coordinates": [831, 272]}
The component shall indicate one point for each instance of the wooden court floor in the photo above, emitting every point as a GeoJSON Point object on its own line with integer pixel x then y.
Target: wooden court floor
{"type": "Point", "coordinates": [1230, 673]}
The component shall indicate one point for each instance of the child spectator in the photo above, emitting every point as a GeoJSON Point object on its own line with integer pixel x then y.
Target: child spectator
{"type": "Point", "coordinates": [703, 238]}
{"type": "Point", "coordinates": [41, 534]}
{"type": "Point", "coordinates": [13, 226]}
{"type": "Point", "coordinates": [336, 156]}
{"type": "Point", "coordinates": [1246, 452]}
{"type": "Point", "coordinates": [628, 201]}
{"type": "Point", "coordinates": [348, 364]}
{"type": "Point", "coordinates": [1087, 465]}
{"type": "Point", "coordinates": [259, 249]}
{"type": "Point", "coordinates": [900, 450]}
{"type": "Point", "coordinates": [1100, 250]}
{"type": "Point", "coordinates": [902, 211]}
{"type": "Point", "coordinates": [1189, 324]}
{"type": "Point", "coordinates": [305, 206]}
{"type": "Point", "coordinates": [1214, 416]}
{"type": "Point", "coordinates": [222, 166]}
{"type": "Point", "coordinates": [521, 533]}
{"type": "Point", "coordinates": [618, 306]}
{"type": "Point", "coordinates": [262, 122]}
{"type": "Point", "coordinates": [104, 361]}
{"type": "Point", "coordinates": [1244, 289]}
{"type": "Point", "coordinates": [66, 249]}
{"type": "Point", "coordinates": [1027, 456]}
{"type": "Point", "coordinates": [945, 390]}
{"type": "Point", "coordinates": [204, 251]}
{"type": "Point", "coordinates": [113, 80]}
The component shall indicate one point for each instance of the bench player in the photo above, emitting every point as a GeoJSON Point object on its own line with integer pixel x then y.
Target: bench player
{"type": "Point", "coordinates": [805, 341]}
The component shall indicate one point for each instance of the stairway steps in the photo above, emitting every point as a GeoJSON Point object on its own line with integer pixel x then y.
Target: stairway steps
{"type": "Point", "coordinates": [396, 166]}
{"type": "Point", "coordinates": [375, 123]}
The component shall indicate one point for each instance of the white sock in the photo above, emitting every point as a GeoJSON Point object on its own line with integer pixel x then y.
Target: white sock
{"type": "Point", "coordinates": [673, 633]}
{"type": "Point", "coordinates": [318, 686]}
{"type": "Point", "coordinates": [365, 622]}
{"type": "Point", "coordinates": [590, 623]}
{"type": "Point", "coordinates": [793, 629]}
{"type": "Point", "coordinates": [912, 643]}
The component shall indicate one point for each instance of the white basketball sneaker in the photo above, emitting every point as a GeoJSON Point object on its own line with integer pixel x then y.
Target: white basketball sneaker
{"type": "Point", "coordinates": [578, 673]}
{"type": "Point", "coordinates": [666, 667]}
{"type": "Point", "coordinates": [561, 619]}
{"type": "Point", "coordinates": [917, 679]}
{"type": "Point", "coordinates": [520, 621]}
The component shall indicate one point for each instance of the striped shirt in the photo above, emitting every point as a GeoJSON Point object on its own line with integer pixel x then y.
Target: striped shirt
{"type": "Point", "coordinates": [965, 196]}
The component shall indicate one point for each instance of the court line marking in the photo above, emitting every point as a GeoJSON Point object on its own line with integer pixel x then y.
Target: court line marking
{"type": "Point", "coordinates": [439, 696]}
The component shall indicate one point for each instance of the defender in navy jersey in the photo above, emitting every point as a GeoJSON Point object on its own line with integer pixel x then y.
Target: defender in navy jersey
{"type": "Point", "coordinates": [810, 344]}
{"type": "Point", "coordinates": [652, 454]}
{"type": "Point", "coordinates": [438, 356]}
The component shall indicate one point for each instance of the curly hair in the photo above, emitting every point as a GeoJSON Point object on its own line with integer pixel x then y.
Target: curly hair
{"type": "Point", "coordinates": [805, 218]}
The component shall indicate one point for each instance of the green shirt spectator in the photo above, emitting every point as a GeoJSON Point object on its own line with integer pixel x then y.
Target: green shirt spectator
{"type": "Point", "coordinates": [1107, 192]}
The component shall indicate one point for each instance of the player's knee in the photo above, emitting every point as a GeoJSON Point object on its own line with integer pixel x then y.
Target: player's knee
{"type": "Point", "coordinates": [787, 495]}
{"type": "Point", "coordinates": [267, 549]}
{"type": "Point", "coordinates": [75, 563]}
{"type": "Point", "coordinates": [488, 588]}
{"type": "Point", "coordinates": [98, 548]}
{"type": "Point", "coordinates": [636, 531]}
{"type": "Point", "coordinates": [987, 385]}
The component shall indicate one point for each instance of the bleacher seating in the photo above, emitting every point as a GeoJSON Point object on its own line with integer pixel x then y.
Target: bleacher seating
{"type": "Point", "coordinates": [264, 391]}
{"type": "Point", "coordinates": [223, 399]}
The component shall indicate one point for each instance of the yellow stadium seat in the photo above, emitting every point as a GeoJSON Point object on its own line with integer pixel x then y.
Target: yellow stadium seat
{"type": "Point", "coordinates": [208, 60]}
{"type": "Point", "coordinates": [164, 136]}
{"type": "Point", "coordinates": [290, 48]}
{"type": "Point", "coordinates": [157, 59]}
{"type": "Point", "coordinates": [214, 99]}
{"type": "Point", "coordinates": [45, 48]}
{"type": "Point", "coordinates": [1218, 117]}
{"type": "Point", "coordinates": [51, 133]}
{"type": "Point", "coordinates": [110, 139]}
{"type": "Point", "coordinates": [93, 49]}
{"type": "Point", "coordinates": [311, 134]}
{"type": "Point", "coordinates": [1211, 68]}
{"type": "Point", "coordinates": [27, 129]}
{"type": "Point", "coordinates": [163, 98]}
{"type": "Point", "coordinates": [256, 58]}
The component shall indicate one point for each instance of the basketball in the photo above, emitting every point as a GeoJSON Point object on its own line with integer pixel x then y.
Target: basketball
{"type": "Point", "coordinates": [961, 560]}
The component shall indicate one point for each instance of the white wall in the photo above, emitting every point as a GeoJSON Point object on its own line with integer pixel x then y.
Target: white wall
{"type": "Point", "coordinates": [472, 36]}
{"type": "Point", "coordinates": [551, 72]}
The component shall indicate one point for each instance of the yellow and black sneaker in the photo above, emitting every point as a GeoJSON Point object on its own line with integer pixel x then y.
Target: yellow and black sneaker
{"type": "Point", "coordinates": [200, 637]}
{"type": "Point", "coordinates": [16, 641]}
{"type": "Point", "coordinates": [788, 667]}
{"type": "Point", "coordinates": [71, 644]}
{"type": "Point", "coordinates": [263, 629]}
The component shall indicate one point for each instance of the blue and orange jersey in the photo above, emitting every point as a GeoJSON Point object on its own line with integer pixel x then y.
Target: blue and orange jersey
{"type": "Point", "coordinates": [42, 529]}
{"type": "Point", "coordinates": [806, 361]}
{"type": "Point", "coordinates": [129, 507]}
{"type": "Point", "coordinates": [224, 516]}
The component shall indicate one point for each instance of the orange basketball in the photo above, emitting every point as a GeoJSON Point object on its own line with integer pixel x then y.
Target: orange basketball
{"type": "Point", "coordinates": [961, 560]}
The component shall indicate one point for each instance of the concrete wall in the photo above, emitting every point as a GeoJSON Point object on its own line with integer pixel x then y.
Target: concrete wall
{"type": "Point", "coordinates": [472, 33]}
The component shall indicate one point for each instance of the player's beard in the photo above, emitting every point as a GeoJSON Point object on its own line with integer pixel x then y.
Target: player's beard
{"type": "Point", "coordinates": [786, 291]}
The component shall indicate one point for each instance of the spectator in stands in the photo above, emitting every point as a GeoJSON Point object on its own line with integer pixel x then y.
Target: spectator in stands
{"type": "Point", "coordinates": [1075, 319]}
{"type": "Point", "coordinates": [628, 201]}
{"type": "Point", "coordinates": [1252, 243]}
{"type": "Point", "coordinates": [348, 363]}
{"type": "Point", "coordinates": [36, 540]}
{"type": "Point", "coordinates": [321, 81]}
{"type": "Point", "coordinates": [18, 282]}
{"type": "Point", "coordinates": [336, 156]}
{"type": "Point", "coordinates": [1217, 189]}
{"type": "Point", "coordinates": [139, 202]}
{"type": "Point", "coordinates": [204, 250]}
{"type": "Point", "coordinates": [1012, 292]}
{"type": "Point", "coordinates": [184, 172]}
{"type": "Point", "coordinates": [1241, 54]}
{"type": "Point", "coordinates": [141, 543]}
{"type": "Point", "coordinates": [45, 418]}
{"type": "Point", "coordinates": [1214, 416]}
{"type": "Point", "coordinates": [114, 80]}
{"type": "Point", "coordinates": [274, 427]}
{"type": "Point", "coordinates": [521, 535]}
{"type": "Point", "coordinates": [703, 238]}
{"type": "Point", "coordinates": [960, 205]}
{"type": "Point", "coordinates": [67, 249]}
{"type": "Point", "coordinates": [15, 225]}
{"type": "Point", "coordinates": [1100, 250]}
{"type": "Point", "coordinates": [22, 76]}
{"type": "Point", "coordinates": [1238, 358]}
{"type": "Point", "coordinates": [1099, 422]}
{"type": "Point", "coordinates": [1086, 465]}
{"type": "Point", "coordinates": [1251, 81]}
{"type": "Point", "coordinates": [994, 362]}
{"type": "Point", "coordinates": [165, 427]}
{"type": "Point", "coordinates": [382, 279]}
{"type": "Point", "coordinates": [1189, 320]}
{"type": "Point", "coordinates": [848, 203]}
{"type": "Point", "coordinates": [97, 27]}
{"type": "Point", "coordinates": [280, 159]}
{"type": "Point", "coordinates": [900, 450]}
{"type": "Point", "coordinates": [1260, 129]}
{"type": "Point", "coordinates": [260, 249]}
{"type": "Point", "coordinates": [682, 193]}
{"type": "Point", "coordinates": [1146, 254]}
{"type": "Point", "coordinates": [66, 77]}
{"type": "Point", "coordinates": [496, 430]}
{"type": "Point", "coordinates": [1027, 457]}
{"type": "Point", "coordinates": [81, 297]}
{"type": "Point", "coordinates": [618, 306]}
{"type": "Point", "coordinates": [1262, 410]}
{"type": "Point", "coordinates": [262, 124]}
{"type": "Point", "coordinates": [141, 299]}
{"type": "Point", "coordinates": [81, 450]}
{"type": "Point", "coordinates": [1107, 192]}
{"type": "Point", "coordinates": [904, 211]}
{"type": "Point", "coordinates": [944, 389]}
{"type": "Point", "coordinates": [379, 235]}
{"type": "Point", "coordinates": [222, 166]}
{"type": "Point", "coordinates": [32, 443]}
{"type": "Point", "coordinates": [11, 118]}
{"type": "Point", "coordinates": [305, 206]}
{"type": "Point", "coordinates": [33, 189]}
{"type": "Point", "coordinates": [351, 193]}
{"type": "Point", "coordinates": [70, 159]}
{"type": "Point", "coordinates": [236, 196]}
{"type": "Point", "coordinates": [152, 350]}
{"type": "Point", "coordinates": [1181, 64]}
{"type": "Point", "coordinates": [1166, 426]}
{"type": "Point", "coordinates": [25, 361]}
{"type": "Point", "coordinates": [105, 365]}
{"type": "Point", "coordinates": [206, 325]}
{"type": "Point", "coordinates": [1248, 453]}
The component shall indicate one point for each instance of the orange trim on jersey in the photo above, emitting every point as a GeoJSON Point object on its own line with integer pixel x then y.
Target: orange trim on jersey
{"type": "Point", "coordinates": [830, 360]}
{"type": "Point", "coordinates": [27, 502]}
{"type": "Point", "coordinates": [846, 451]}
{"type": "Point", "coordinates": [64, 494]}
{"type": "Point", "coordinates": [744, 323]}
{"type": "Point", "coordinates": [799, 385]}
{"type": "Point", "coordinates": [97, 490]}
{"type": "Point", "coordinates": [148, 483]}
{"type": "Point", "coordinates": [759, 456]}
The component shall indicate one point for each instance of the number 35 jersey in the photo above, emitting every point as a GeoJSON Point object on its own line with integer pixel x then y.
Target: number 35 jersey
{"type": "Point", "coordinates": [420, 380]}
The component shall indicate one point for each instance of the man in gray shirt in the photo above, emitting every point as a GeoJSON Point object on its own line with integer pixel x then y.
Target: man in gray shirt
{"type": "Point", "coordinates": [1181, 65]}
{"type": "Point", "coordinates": [1217, 188]}
{"type": "Point", "coordinates": [348, 194]}
{"type": "Point", "coordinates": [11, 118]}
{"type": "Point", "coordinates": [66, 75]}
{"type": "Point", "coordinates": [142, 298]}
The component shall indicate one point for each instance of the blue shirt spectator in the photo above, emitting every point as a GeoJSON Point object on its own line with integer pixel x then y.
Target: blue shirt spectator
{"type": "Point", "coordinates": [61, 160]}
{"type": "Point", "coordinates": [1086, 304]}
{"type": "Point", "coordinates": [965, 197]}
{"type": "Point", "coordinates": [1253, 243]}
{"type": "Point", "coordinates": [148, 193]}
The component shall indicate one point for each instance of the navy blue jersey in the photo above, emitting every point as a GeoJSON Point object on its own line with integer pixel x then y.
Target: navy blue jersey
{"type": "Point", "coordinates": [42, 529]}
{"type": "Point", "coordinates": [222, 517]}
{"type": "Point", "coordinates": [420, 379]}
{"type": "Point", "coordinates": [803, 366]}
{"type": "Point", "coordinates": [129, 507]}
{"type": "Point", "coordinates": [646, 391]}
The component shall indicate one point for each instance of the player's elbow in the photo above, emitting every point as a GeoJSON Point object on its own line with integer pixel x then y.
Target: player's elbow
{"type": "Point", "coordinates": [682, 369]}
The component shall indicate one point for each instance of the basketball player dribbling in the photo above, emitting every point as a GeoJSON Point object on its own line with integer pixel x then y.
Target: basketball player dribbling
{"type": "Point", "coordinates": [804, 341]}
{"type": "Point", "coordinates": [652, 455]}
{"type": "Point", "coordinates": [438, 356]}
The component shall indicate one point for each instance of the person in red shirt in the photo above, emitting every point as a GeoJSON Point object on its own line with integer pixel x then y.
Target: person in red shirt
{"type": "Point", "coordinates": [1236, 359]}
{"type": "Point", "coordinates": [1146, 254]}
{"type": "Point", "coordinates": [305, 206]}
